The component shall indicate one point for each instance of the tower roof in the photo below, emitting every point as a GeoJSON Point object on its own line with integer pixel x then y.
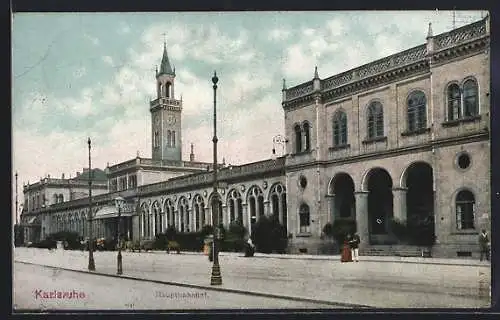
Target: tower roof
{"type": "Point", "coordinates": [165, 67]}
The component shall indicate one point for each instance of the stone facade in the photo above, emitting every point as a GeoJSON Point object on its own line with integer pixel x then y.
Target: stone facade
{"type": "Point", "coordinates": [387, 140]}
{"type": "Point", "coordinates": [392, 82]}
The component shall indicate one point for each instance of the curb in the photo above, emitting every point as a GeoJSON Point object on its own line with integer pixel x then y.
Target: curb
{"type": "Point", "coordinates": [195, 286]}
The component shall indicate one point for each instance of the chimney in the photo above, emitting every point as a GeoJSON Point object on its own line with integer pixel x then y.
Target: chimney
{"type": "Point", "coordinates": [62, 176]}
{"type": "Point", "coordinates": [85, 170]}
{"type": "Point", "coordinates": [191, 156]}
{"type": "Point", "coordinates": [48, 176]}
{"type": "Point", "coordinates": [77, 174]}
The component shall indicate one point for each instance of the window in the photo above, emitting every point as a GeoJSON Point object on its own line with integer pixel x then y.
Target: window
{"type": "Point", "coordinates": [465, 210]}
{"type": "Point", "coordinates": [307, 136]}
{"type": "Point", "coordinates": [169, 138]}
{"type": "Point", "coordinates": [470, 98]}
{"type": "Point", "coordinates": [173, 139]}
{"type": "Point", "coordinates": [417, 118]}
{"type": "Point", "coordinates": [463, 161]}
{"type": "Point", "coordinates": [339, 128]}
{"type": "Point", "coordinates": [454, 102]}
{"type": "Point", "coordinates": [304, 218]}
{"type": "Point", "coordinates": [298, 138]}
{"type": "Point", "coordinates": [156, 138]}
{"type": "Point", "coordinates": [375, 120]}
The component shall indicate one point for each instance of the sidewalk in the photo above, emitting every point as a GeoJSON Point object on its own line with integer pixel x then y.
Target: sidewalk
{"type": "Point", "coordinates": [337, 284]}
{"type": "Point", "coordinates": [435, 261]}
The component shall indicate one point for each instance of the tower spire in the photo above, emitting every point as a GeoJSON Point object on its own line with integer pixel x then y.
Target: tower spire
{"type": "Point", "coordinates": [165, 67]}
{"type": "Point", "coordinates": [316, 76]}
{"type": "Point", "coordinates": [429, 31]}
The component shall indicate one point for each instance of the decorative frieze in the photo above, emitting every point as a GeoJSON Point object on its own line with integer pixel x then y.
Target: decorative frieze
{"type": "Point", "coordinates": [299, 91]}
{"type": "Point", "coordinates": [460, 35]}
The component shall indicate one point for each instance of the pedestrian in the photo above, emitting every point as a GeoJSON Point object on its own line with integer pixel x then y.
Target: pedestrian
{"type": "Point", "coordinates": [346, 255]}
{"type": "Point", "coordinates": [354, 244]}
{"type": "Point", "coordinates": [484, 244]}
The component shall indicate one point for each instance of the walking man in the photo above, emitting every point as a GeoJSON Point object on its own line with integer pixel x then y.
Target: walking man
{"type": "Point", "coordinates": [484, 243]}
{"type": "Point", "coordinates": [354, 244]}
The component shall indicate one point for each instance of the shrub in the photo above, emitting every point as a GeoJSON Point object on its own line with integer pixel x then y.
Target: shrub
{"type": "Point", "coordinates": [72, 238]}
{"type": "Point", "coordinates": [160, 241]}
{"type": "Point", "coordinates": [400, 229]}
{"type": "Point", "coordinates": [170, 233]}
{"type": "Point", "coordinates": [341, 228]}
{"type": "Point", "coordinates": [269, 235]}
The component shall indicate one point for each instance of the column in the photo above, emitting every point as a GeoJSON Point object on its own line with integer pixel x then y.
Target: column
{"type": "Point", "coordinates": [141, 221]}
{"type": "Point", "coordinates": [208, 216]}
{"type": "Point", "coordinates": [267, 211]}
{"type": "Point", "coordinates": [280, 209]}
{"type": "Point", "coordinates": [399, 195]}
{"type": "Point", "coordinates": [153, 224]}
{"type": "Point", "coordinates": [331, 204]}
{"type": "Point", "coordinates": [225, 217]}
{"type": "Point", "coordinates": [246, 218]}
{"type": "Point", "coordinates": [362, 217]}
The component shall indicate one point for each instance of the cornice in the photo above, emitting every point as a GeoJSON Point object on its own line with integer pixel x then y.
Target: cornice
{"type": "Point", "coordinates": [481, 136]}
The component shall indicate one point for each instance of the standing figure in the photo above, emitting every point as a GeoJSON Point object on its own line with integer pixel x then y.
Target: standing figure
{"type": "Point", "coordinates": [346, 251]}
{"type": "Point", "coordinates": [354, 244]}
{"type": "Point", "coordinates": [484, 245]}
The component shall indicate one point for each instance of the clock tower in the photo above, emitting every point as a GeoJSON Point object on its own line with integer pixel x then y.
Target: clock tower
{"type": "Point", "coordinates": [166, 115]}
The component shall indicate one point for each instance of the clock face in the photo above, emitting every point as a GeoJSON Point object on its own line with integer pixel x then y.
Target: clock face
{"type": "Point", "coordinates": [171, 120]}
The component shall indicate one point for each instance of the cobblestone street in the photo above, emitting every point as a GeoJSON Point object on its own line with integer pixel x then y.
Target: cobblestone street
{"type": "Point", "coordinates": [387, 284]}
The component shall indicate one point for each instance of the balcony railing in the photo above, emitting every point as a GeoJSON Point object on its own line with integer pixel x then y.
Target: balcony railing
{"type": "Point", "coordinates": [165, 101]}
{"type": "Point", "coordinates": [226, 173]}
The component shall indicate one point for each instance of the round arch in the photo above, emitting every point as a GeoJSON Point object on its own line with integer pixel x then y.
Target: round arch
{"type": "Point", "coordinates": [404, 175]}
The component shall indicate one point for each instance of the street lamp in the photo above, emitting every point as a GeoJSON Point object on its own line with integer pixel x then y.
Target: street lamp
{"type": "Point", "coordinates": [119, 201]}
{"type": "Point", "coordinates": [216, 275]}
{"type": "Point", "coordinates": [16, 201]}
{"type": "Point", "coordinates": [91, 266]}
{"type": "Point", "coordinates": [279, 140]}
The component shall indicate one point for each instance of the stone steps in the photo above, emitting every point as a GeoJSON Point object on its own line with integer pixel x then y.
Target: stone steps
{"type": "Point", "coordinates": [398, 251]}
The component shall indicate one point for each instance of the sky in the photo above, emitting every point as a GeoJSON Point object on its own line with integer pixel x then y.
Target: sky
{"type": "Point", "coordinates": [80, 75]}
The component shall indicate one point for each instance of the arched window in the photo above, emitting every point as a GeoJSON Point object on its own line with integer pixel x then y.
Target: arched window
{"type": "Point", "coordinates": [304, 218]}
{"type": "Point", "coordinates": [339, 128]}
{"type": "Point", "coordinates": [55, 198]}
{"type": "Point", "coordinates": [375, 120]}
{"type": "Point", "coordinates": [471, 105]}
{"type": "Point", "coordinates": [167, 91]}
{"type": "Point", "coordinates": [454, 102]}
{"type": "Point", "coordinates": [298, 138]}
{"type": "Point", "coordinates": [307, 136]}
{"type": "Point", "coordinates": [156, 138]}
{"type": "Point", "coordinates": [417, 109]}
{"type": "Point", "coordinates": [169, 138]}
{"type": "Point", "coordinates": [465, 203]}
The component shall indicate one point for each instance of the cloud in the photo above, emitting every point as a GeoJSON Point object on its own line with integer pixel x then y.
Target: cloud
{"type": "Point", "coordinates": [95, 41]}
{"type": "Point", "coordinates": [108, 60]}
{"type": "Point", "coordinates": [80, 72]}
{"type": "Point", "coordinates": [278, 34]}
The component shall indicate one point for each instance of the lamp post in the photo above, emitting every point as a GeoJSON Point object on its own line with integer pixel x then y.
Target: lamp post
{"type": "Point", "coordinates": [91, 266]}
{"type": "Point", "coordinates": [216, 275]}
{"type": "Point", "coordinates": [16, 201]}
{"type": "Point", "coordinates": [119, 203]}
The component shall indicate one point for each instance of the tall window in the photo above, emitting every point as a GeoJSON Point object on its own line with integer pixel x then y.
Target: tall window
{"type": "Point", "coordinates": [169, 138]}
{"type": "Point", "coordinates": [375, 120]}
{"type": "Point", "coordinates": [173, 139]}
{"type": "Point", "coordinates": [304, 218]}
{"type": "Point", "coordinates": [307, 136]}
{"type": "Point", "coordinates": [454, 102]}
{"type": "Point", "coordinates": [471, 105]}
{"type": "Point", "coordinates": [417, 105]}
{"type": "Point", "coordinates": [298, 138]}
{"type": "Point", "coordinates": [465, 203]}
{"type": "Point", "coordinates": [156, 138]}
{"type": "Point", "coordinates": [339, 128]}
